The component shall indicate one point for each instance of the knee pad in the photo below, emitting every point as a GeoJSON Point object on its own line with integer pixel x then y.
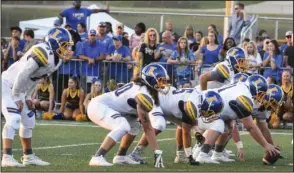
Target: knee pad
{"type": "Point", "coordinates": [135, 129]}
{"type": "Point", "coordinates": [218, 125]}
{"type": "Point", "coordinates": [120, 131]}
{"type": "Point", "coordinates": [8, 132]}
{"type": "Point", "coordinates": [158, 123]}
{"type": "Point", "coordinates": [14, 121]}
{"type": "Point", "coordinates": [25, 132]}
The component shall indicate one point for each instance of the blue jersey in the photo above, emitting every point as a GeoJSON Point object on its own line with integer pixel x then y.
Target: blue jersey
{"type": "Point", "coordinates": [84, 36]}
{"type": "Point", "coordinates": [210, 57]}
{"type": "Point", "coordinates": [106, 41]}
{"type": "Point", "coordinates": [75, 16]}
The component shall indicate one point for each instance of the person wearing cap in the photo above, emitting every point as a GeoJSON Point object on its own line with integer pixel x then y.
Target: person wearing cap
{"type": "Point", "coordinates": [119, 53]}
{"type": "Point", "coordinates": [119, 30]}
{"type": "Point", "coordinates": [289, 54]}
{"type": "Point", "coordinates": [92, 52]}
{"type": "Point", "coordinates": [57, 23]}
{"type": "Point", "coordinates": [16, 31]}
{"type": "Point", "coordinates": [288, 36]}
{"type": "Point", "coordinates": [77, 14]}
{"type": "Point", "coordinates": [102, 38]}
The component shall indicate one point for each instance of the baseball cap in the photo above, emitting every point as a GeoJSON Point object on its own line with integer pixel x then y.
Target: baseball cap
{"type": "Point", "coordinates": [288, 33]}
{"type": "Point", "coordinates": [120, 25]}
{"type": "Point", "coordinates": [67, 25]}
{"type": "Point", "coordinates": [92, 32]}
{"type": "Point", "coordinates": [16, 28]}
{"type": "Point", "coordinates": [57, 22]}
{"type": "Point", "coordinates": [117, 37]}
{"type": "Point", "coordinates": [102, 24]}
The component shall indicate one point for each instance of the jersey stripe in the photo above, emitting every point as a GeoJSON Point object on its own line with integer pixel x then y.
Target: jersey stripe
{"type": "Point", "coordinates": [224, 70]}
{"type": "Point", "coordinates": [190, 110]}
{"type": "Point", "coordinates": [145, 101]}
{"type": "Point", "coordinates": [246, 103]}
{"type": "Point", "coordinates": [41, 54]}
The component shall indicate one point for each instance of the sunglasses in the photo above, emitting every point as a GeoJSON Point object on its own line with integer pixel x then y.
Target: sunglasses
{"type": "Point", "coordinates": [267, 42]}
{"type": "Point", "coordinates": [288, 36]}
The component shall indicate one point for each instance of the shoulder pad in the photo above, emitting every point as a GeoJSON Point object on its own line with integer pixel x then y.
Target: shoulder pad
{"type": "Point", "coordinates": [223, 70]}
{"type": "Point", "coordinates": [190, 110]}
{"type": "Point", "coordinates": [40, 55]}
{"type": "Point", "coordinates": [144, 101]}
{"type": "Point", "coordinates": [242, 106]}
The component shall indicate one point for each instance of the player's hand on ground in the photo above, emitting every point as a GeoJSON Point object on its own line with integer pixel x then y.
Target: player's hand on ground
{"type": "Point", "coordinates": [29, 104]}
{"type": "Point", "coordinates": [158, 162]}
{"type": "Point", "coordinates": [192, 161]}
{"type": "Point", "coordinates": [241, 154]}
{"type": "Point", "coordinates": [272, 150]}
{"type": "Point", "coordinates": [19, 105]}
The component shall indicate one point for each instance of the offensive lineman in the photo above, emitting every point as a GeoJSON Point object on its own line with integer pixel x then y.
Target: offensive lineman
{"type": "Point", "coordinates": [18, 83]}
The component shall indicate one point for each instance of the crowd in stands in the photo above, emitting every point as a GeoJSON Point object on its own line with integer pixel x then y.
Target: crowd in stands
{"type": "Point", "coordinates": [114, 57]}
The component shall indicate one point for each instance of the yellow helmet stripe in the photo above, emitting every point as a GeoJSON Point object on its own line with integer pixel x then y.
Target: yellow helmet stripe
{"type": "Point", "coordinates": [224, 71]}
{"type": "Point", "coordinates": [246, 103]}
{"type": "Point", "coordinates": [40, 55]}
{"type": "Point", "coordinates": [190, 110]}
{"type": "Point", "coordinates": [145, 101]}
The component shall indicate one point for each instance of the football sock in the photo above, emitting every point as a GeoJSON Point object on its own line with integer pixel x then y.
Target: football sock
{"type": "Point", "coordinates": [100, 152]}
{"type": "Point", "coordinates": [28, 151]}
{"type": "Point", "coordinates": [206, 148]}
{"type": "Point", "coordinates": [7, 151]}
{"type": "Point", "coordinates": [122, 151]}
{"type": "Point", "coordinates": [219, 148]}
{"type": "Point", "coordinates": [139, 149]}
{"type": "Point", "coordinates": [180, 148]}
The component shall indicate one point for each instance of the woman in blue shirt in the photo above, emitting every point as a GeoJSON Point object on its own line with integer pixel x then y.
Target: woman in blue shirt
{"type": "Point", "coordinates": [273, 62]}
{"type": "Point", "coordinates": [184, 58]}
{"type": "Point", "coordinates": [209, 53]}
{"type": "Point", "coordinates": [220, 39]}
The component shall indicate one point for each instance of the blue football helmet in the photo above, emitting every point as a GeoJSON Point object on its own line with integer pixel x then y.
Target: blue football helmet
{"type": "Point", "coordinates": [240, 77]}
{"type": "Point", "coordinates": [211, 105]}
{"type": "Point", "coordinates": [236, 56]}
{"type": "Point", "coordinates": [61, 42]}
{"type": "Point", "coordinates": [274, 98]}
{"type": "Point", "coordinates": [156, 76]}
{"type": "Point", "coordinates": [257, 86]}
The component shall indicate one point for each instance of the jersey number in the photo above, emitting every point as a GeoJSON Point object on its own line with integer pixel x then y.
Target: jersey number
{"type": "Point", "coordinates": [227, 87]}
{"type": "Point", "coordinates": [179, 91]}
{"type": "Point", "coordinates": [122, 89]}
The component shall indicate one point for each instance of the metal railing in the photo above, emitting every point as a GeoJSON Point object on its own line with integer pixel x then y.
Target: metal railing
{"type": "Point", "coordinates": [251, 30]}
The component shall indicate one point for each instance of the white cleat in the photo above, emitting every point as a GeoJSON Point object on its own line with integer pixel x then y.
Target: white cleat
{"type": "Point", "coordinates": [219, 156]}
{"type": "Point", "coordinates": [31, 159]}
{"type": "Point", "coordinates": [181, 157]}
{"type": "Point", "coordinates": [124, 160]}
{"type": "Point", "coordinates": [9, 161]}
{"type": "Point", "coordinates": [196, 152]}
{"type": "Point", "coordinates": [228, 154]}
{"type": "Point", "coordinates": [99, 161]}
{"type": "Point", "coordinates": [204, 158]}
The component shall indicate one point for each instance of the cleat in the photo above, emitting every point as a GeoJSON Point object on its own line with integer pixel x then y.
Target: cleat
{"type": "Point", "coordinates": [31, 159]}
{"type": "Point", "coordinates": [204, 158]}
{"type": "Point", "coordinates": [228, 153]}
{"type": "Point", "coordinates": [124, 160]}
{"type": "Point", "coordinates": [196, 151]}
{"type": "Point", "coordinates": [99, 161]}
{"type": "Point", "coordinates": [219, 156]}
{"type": "Point", "coordinates": [9, 161]}
{"type": "Point", "coordinates": [136, 156]}
{"type": "Point", "coordinates": [181, 157]}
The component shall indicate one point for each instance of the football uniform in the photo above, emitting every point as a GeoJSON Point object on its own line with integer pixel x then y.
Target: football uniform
{"type": "Point", "coordinates": [19, 81]}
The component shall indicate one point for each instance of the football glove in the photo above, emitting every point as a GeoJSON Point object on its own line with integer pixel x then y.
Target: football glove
{"type": "Point", "coordinates": [158, 162]}
{"type": "Point", "coordinates": [192, 161]}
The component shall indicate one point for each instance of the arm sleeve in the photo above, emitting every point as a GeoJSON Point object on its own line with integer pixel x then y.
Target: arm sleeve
{"type": "Point", "coordinates": [174, 55]}
{"type": "Point", "coordinates": [202, 50]}
{"type": "Point", "coordinates": [40, 56]}
{"type": "Point", "coordinates": [279, 61]}
{"type": "Point", "coordinates": [64, 12]}
{"type": "Point", "coordinates": [23, 82]}
{"type": "Point", "coordinates": [89, 11]}
{"type": "Point", "coordinates": [220, 73]}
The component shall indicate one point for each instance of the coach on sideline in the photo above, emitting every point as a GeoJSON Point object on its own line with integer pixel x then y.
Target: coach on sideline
{"type": "Point", "coordinates": [76, 14]}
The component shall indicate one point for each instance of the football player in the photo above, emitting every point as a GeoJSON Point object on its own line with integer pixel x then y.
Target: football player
{"type": "Point", "coordinates": [238, 105]}
{"type": "Point", "coordinates": [223, 72]}
{"type": "Point", "coordinates": [18, 83]}
{"type": "Point", "coordinates": [174, 108]}
{"type": "Point", "coordinates": [110, 111]}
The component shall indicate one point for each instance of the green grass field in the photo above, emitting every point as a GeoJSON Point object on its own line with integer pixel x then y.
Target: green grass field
{"type": "Point", "coordinates": [12, 17]}
{"type": "Point", "coordinates": [68, 146]}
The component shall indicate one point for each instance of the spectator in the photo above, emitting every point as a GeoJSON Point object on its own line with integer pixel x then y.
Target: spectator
{"type": "Point", "coordinates": [148, 47]}
{"type": "Point", "coordinates": [120, 55]}
{"type": "Point", "coordinates": [102, 38]}
{"type": "Point", "coordinates": [264, 47]}
{"type": "Point", "coordinates": [96, 90]}
{"type": "Point", "coordinates": [220, 39]}
{"type": "Point", "coordinates": [43, 96]}
{"type": "Point", "coordinates": [244, 43]}
{"type": "Point", "coordinates": [4, 46]}
{"type": "Point", "coordinates": [72, 100]}
{"type": "Point", "coordinates": [164, 51]}
{"type": "Point", "coordinates": [57, 23]}
{"type": "Point", "coordinates": [259, 43]}
{"type": "Point", "coordinates": [82, 31]}
{"type": "Point", "coordinates": [187, 84]}
{"type": "Point", "coordinates": [189, 34]}
{"type": "Point", "coordinates": [16, 32]}
{"type": "Point", "coordinates": [285, 112]}
{"type": "Point", "coordinates": [126, 35]}
{"type": "Point", "coordinates": [169, 27]}
{"type": "Point", "coordinates": [136, 37]}
{"type": "Point", "coordinates": [76, 14]}
{"type": "Point", "coordinates": [289, 56]}
{"type": "Point", "coordinates": [10, 54]}
{"type": "Point", "coordinates": [289, 42]}
{"type": "Point", "coordinates": [209, 53]}
{"type": "Point", "coordinates": [228, 44]}
{"type": "Point", "coordinates": [119, 31]}
{"type": "Point", "coordinates": [184, 58]}
{"type": "Point", "coordinates": [92, 53]}
{"type": "Point", "coordinates": [253, 57]}
{"type": "Point", "coordinates": [237, 22]}
{"type": "Point", "coordinates": [30, 41]}
{"type": "Point", "coordinates": [109, 31]}
{"type": "Point", "coordinates": [135, 56]}
{"type": "Point", "coordinates": [195, 45]}
{"type": "Point", "coordinates": [68, 27]}
{"type": "Point", "coordinates": [272, 62]}
{"type": "Point", "coordinates": [262, 33]}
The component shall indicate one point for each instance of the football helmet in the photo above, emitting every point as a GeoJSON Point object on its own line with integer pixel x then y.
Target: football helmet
{"type": "Point", "coordinates": [273, 98]}
{"type": "Point", "coordinates": [237, 58]}
{"type": "Point", "coordinates": [240, 77]}
{"type": "Point", "coordinates": [211, 104]}
{"type": "Point", "coordinates": [156, 77]}
{"type": "Point", "coordinates": [61, 42]}
{"type": "Point", "coordinates": [257, 86]}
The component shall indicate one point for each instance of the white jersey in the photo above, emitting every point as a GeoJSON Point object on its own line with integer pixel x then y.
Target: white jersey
{"type": "Point", "coordinates": [122, 100]}
{"type": "Point", "coordinates": [22, 75]}
{"type": "Point", "coordinates": [229, 93]}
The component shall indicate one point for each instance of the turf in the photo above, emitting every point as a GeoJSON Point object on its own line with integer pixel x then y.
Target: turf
{"type": "Point", "coordinates": [69, 148]}
{"type": "Point", "coordinates": [12, 16]}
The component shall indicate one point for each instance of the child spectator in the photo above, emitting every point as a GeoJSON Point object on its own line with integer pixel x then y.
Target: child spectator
{"type": "Point", "coordinates": [82, 31]}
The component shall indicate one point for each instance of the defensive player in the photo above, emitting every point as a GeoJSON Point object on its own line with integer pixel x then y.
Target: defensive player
{"type": "Point", "coordinates": [238, 105]}
{"type": "Point", "coordinates": [18, 83]}
{"type": "Point", "coordinates": [135, 98]}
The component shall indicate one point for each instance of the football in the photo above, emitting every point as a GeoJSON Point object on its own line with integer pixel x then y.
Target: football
{"type": "Point", "coordinates": [270, 160]}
